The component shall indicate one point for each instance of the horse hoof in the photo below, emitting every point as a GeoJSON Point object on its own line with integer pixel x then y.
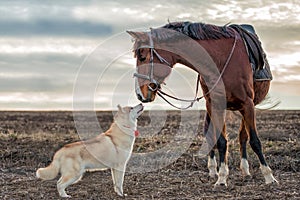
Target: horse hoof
{"type": "Point", "coordinates": [270, 180]}
{"type": "Point", "coordinates": [222, 185]}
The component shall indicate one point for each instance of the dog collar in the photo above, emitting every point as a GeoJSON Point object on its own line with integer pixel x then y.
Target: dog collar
{"type": "Point", "coordinates": [127, 130]}
{"type": "Point", "coordinates": [136, 133]}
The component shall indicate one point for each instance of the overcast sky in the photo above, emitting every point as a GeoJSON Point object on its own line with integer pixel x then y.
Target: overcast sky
{"type": "Point", "coordinates": [49, 47]}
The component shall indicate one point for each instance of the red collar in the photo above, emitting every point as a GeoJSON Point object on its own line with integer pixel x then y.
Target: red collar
{"type": "Point", "coordinates": [136, 133]}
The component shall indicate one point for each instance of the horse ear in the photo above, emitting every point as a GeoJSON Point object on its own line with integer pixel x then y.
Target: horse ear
{"type": "Point", "coordinates": [138, 35]}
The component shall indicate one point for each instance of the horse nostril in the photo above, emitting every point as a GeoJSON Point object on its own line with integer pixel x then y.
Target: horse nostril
{"type": "Point", "coordinates": [153, 86]}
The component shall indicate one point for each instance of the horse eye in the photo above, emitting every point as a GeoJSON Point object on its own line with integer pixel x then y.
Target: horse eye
{"type": "Point", "coordinates": [142, 59]}
{"type": "Point", "coordinates": [140, 56]}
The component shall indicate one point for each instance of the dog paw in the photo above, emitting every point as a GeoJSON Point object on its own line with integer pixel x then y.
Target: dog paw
{"type": "Point", "coordinates": [273, 182]}
{"type": "Point", "coordinates": [120, 193]}
{"type": "Point", "coordinates": [66, 196]}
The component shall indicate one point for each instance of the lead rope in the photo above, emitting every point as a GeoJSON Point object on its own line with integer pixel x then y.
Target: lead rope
{"type": "Point", "coordinates": [161, 93]}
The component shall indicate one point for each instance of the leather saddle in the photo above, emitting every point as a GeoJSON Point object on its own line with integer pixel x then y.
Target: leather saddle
{"type": "Point", "coordinates": [257, 56]}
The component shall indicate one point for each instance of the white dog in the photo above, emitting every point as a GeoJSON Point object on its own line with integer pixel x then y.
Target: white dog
{"type": "Point", "coordinates": [109, 150]}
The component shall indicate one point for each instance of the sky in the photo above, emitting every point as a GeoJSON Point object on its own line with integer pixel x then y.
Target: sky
{"type": "Point", "coordinates": [55, 53]}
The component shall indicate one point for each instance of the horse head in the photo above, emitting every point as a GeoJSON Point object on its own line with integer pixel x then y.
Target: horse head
{"type": "Point", "coordinates": [152, 66]}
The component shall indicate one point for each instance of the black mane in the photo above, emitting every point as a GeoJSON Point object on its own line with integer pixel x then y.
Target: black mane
{"type": "Point", "coordinates": [200, 31]}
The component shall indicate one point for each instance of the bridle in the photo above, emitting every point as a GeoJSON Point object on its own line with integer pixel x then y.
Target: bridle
{"type": "Point", "coordinates": [154, 85]}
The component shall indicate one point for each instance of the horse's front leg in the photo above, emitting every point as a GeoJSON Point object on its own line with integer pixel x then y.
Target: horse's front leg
{"type": "Point", "coordinates": [216, 134]}
{"type": "Point", "coordinates": [243, 138]}
{"type": "Point", "coordinates": [211, 141]}
{"type": "Point", "coordinates": [223, 168]}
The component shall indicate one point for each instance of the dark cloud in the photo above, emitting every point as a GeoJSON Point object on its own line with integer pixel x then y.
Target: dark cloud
{"type": "Point", "coordinates": [54, 65]}
{"type": "Point", "coordinates": [34, 84]}
{"type": "Point", "coordinates": [47, 27]}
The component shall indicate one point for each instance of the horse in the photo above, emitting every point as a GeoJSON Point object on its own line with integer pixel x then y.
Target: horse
{"type": "Point", "coordinates": [233, 72]}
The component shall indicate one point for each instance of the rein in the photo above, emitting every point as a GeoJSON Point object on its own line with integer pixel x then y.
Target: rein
{"type": "Point", "coordinates": [162, 60]}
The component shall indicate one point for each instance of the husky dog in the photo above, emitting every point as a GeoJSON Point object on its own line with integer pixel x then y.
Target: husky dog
{"type": "Point", "coordinates": [109, 150]}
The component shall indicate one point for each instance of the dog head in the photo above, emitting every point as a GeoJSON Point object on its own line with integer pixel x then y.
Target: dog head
{"type": "Point", "coordinates": [128, 115]}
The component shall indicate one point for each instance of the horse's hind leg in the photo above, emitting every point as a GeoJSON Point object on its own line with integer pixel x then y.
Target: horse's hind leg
{"type": "Point", "coordinates": [211, 140]}
{"type": "Point", "coordinates": [243, 138]}
{"type": "Point", "coordinates": [248, 113]}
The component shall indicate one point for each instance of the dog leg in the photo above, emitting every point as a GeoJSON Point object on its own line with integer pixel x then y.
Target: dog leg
{"type": "Point", "coordinates": [64, 182]}
{"type": "Point", "coordinates": [114, 180]}
{"type": "Point", "coordinates": [118, 178]}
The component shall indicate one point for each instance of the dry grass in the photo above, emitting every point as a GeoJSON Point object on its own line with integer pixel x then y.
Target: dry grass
{"type": "Point", "coordinates": [28, 140]}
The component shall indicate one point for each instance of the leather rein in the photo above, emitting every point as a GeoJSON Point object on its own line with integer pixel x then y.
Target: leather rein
{"type": "Point", "coordinates": [158, 89]}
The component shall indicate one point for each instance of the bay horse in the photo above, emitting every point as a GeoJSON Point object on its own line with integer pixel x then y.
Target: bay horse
{"type": "Point", "coordinates": [233, 73]}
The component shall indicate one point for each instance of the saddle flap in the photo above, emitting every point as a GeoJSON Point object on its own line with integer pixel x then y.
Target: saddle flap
{"type": "Point", "coordinates": [252, 43]}
{"type": "Point", "coordinates": [257, 56]}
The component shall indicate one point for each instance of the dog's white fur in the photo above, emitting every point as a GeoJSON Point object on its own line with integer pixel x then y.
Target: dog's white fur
{"type": "Point", "coordinates": [109, 150]}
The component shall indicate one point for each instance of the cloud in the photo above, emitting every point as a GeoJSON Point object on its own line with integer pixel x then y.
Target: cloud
{"type": "Point", "coordinates": [26, 83]}
{"type": "Point", "coordinates": [47, 27]}
{"type": "Point", "coordinates": [43, 44]}
{"type": "Point", "coordinates": [49, 18]}
{"type": "Point", "coordinates": [47, 45]}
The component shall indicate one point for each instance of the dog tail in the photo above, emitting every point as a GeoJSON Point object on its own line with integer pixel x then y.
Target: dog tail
{"type": "Point", "coordinates": [50, 172]}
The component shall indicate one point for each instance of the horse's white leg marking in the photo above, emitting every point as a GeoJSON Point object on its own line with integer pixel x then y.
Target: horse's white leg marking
{"type": "Point", "coordinates": [267, 172]}
{"type": "Point", "coordinates": [244, 166]}
{"type": "Point", "coordinates": [212, 166]}
{"type": "Point", "coordinates": [223, 174]}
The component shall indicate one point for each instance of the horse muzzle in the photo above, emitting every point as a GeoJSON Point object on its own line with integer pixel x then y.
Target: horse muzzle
{"type": "Point", "coordinates": [142, 99]}
{"type": "Point", "coordinates": [147, 93]}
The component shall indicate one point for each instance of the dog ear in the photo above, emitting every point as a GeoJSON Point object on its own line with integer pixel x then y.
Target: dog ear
{"type": "Point", "coordinates": [120, 108]}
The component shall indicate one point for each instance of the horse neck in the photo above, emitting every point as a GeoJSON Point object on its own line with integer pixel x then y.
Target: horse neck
{"type": "Point", "coordinates": [212, 47]}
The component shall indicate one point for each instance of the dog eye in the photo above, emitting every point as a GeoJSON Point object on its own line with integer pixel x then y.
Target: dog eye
{"type": "Point", "coordinates": [131, 108]}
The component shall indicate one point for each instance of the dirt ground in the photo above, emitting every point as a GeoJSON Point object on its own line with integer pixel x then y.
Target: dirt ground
{"type": "Point", "coordinates": [28, 140]}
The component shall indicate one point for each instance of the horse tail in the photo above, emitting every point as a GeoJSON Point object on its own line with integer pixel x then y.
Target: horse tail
{"type": "Point", "coordinates": [268, 103]}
